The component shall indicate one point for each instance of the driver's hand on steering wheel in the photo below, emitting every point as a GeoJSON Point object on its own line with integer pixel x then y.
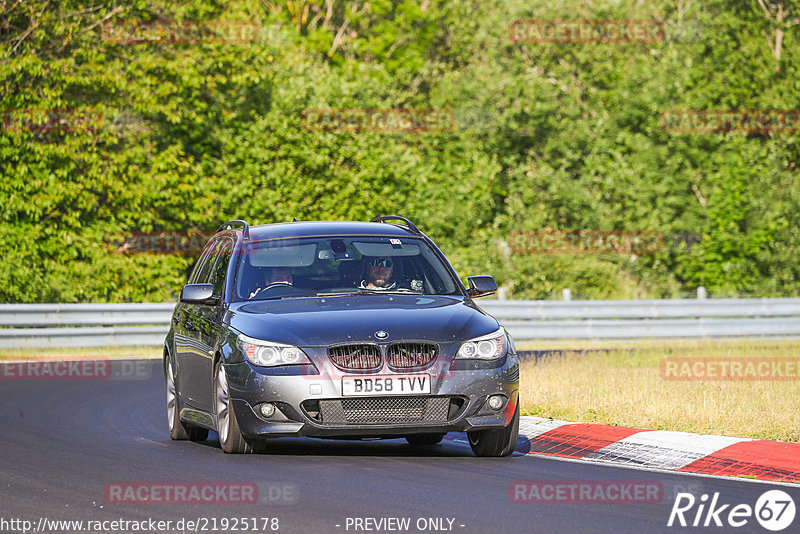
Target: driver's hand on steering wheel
{"type": "Point", "coordinates": [273, 284]}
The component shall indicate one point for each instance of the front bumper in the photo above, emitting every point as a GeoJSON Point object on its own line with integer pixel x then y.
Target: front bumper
{"type": "Point", "coordinates": [457, 403]}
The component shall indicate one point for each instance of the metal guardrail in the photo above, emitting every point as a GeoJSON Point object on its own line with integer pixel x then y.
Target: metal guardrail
{"type": "Point", "coordinates": [94, 325]}
{"type": "Point", "coordinates": [83, 325]}
{"type": "Point", "coordinates": [640, 309]}
{"type": "Point", "coordinates": [636, 319]}
{"type": "Point", "coordinates": [58, 315]}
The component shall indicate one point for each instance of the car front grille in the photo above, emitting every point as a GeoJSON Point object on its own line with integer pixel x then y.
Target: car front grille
{"type": "Point", "coordinates": [385, 410]}
{"type": "Point", "coordinates": [355, 357]}
{"type": "Point", "coordinates": [408, 356]}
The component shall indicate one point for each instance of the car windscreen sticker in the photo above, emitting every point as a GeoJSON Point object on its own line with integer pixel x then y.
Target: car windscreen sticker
{"type": "Point", "coordinates": [373, 249]}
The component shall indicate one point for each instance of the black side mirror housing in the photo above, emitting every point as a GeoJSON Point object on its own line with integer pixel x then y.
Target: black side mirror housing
{"type": "Point", "coordinates": [199, 294]}
{"type": "Point", "coordinates": [480, 286]}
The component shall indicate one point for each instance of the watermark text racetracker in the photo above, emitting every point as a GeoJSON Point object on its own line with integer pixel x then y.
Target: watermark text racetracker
{"type": "Point", "coordinates": [186, 32]}
{"type": "Point", "coordinates": [142, 493]}
{"type": "Point", "coordinates": [730, 369]}
{"type": "Point", "coordinates": [586, 491]}
{"type": "Point", "coordinates": [585, 242]}
{"type": "Point", "coordinates": [730, 121]}
{"type": "Point", "coordinates": [585, 31]}
{"type": "Point", "coordinates": [51, 120]}
{"type": "Point", "coordinates": [395, 120]}
{"type": "Point", "coordinates": [76, 369]}
{"type": "Point", "coordinates": [189, 243]}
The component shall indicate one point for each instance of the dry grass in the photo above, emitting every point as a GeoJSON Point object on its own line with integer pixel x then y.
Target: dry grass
{"type": "Point", "coordinates": [89, 352]}
{"type": "Point", "coordinates": [624, 387]}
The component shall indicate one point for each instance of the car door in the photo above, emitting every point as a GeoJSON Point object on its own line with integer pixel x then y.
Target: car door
{"type": "Point", "coordinates": [209, 328]}
{"type": "Point", "coordinates": [188, 344]}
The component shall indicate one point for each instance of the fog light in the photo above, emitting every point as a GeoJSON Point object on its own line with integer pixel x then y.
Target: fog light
{"type": "Point", "coordinates": [267, 410]}
{"type": "Point", "coordinates": [495, 402]}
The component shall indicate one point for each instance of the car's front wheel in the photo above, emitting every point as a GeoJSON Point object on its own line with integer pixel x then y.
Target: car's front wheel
{"type": "Point", "coordinates": [178, 430]}
{"type": "Point", "coordinates": [230, 437]}
{"type": "Point", "coordinates": [500, 442]}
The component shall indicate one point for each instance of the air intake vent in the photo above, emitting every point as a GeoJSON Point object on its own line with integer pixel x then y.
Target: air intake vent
{"type": "Point", "coordinates": [384, 410]}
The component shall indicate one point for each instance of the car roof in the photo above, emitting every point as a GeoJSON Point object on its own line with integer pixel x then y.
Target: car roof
{"type": "Point", "coordinates": [325, 228]}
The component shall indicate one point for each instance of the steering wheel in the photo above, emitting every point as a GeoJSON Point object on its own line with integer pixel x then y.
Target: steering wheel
{"type": "Point", "coordinates": [262, 290]}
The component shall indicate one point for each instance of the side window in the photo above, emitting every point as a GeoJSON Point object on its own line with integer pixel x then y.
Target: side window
{"type": "Point", "coordinates": [221, 266]}
{"type": "Point", "coordinates": [204, 264]}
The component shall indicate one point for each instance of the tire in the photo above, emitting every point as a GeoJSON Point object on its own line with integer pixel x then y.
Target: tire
{"type": "Point", "coordinates": [498, 443]}
{"type": "Point", "coordinates": [424, 439]}
{"type": "Point", "coordinates": [230, 437]}
{"type": "Point", "coordinates": [178, 430]}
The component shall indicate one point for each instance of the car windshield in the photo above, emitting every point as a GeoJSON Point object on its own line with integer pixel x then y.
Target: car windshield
{"type": "Point", "coordinates": [317, 266]}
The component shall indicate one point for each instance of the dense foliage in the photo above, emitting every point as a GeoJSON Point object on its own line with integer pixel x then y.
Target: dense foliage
{"type": "Point", "coordinates": [182, 136]}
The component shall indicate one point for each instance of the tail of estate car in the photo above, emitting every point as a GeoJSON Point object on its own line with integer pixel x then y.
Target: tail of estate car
{"type": "Point", "coordinates": [337, 330]}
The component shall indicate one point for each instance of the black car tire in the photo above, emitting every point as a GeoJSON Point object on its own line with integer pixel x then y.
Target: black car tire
{"type": "Point", "coordinates": [231, 439]}
{"type": "Point", "coordinates": [178, 430]}
{"type": "Point", "coordinates": [424, 439]}
{"type": "Point", "coordinates": [500, 442]}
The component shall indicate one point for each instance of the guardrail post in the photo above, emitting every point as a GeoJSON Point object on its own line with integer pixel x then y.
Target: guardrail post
{"type": "Point", "coordinates": [566, 294]}
{"type": "Point", "coordinates": [701, 292]}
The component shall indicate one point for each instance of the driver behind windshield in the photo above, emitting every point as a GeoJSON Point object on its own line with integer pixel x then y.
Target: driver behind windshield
{"type": "Point", "coordinates": [379, 274]}
{"type": "Point", "coordinates": [275, 275]}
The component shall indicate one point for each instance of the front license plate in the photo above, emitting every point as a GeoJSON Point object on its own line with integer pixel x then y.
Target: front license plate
{"type": "Point", "coordinates": [386, 385]}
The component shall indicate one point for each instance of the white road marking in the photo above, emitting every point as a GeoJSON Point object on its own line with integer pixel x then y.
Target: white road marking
{"type": "Point", "coordinates": [662, 449]}
{"type": "Point", "coordinates": [532, 427]}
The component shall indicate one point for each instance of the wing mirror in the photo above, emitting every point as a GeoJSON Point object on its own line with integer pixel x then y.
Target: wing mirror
{"type": "Point", "coordinates": [199, 294]}
{"type": "Point", "coordinates": [480, 286]}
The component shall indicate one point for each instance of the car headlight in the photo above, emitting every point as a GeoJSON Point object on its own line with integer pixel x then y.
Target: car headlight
{"type": "Point", "coordinates": [488, 347]}
{"type": "Point", "coordinates": [269, 354]}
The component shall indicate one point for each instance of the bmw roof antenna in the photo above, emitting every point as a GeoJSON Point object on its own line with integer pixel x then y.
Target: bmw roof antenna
{"type": "Point", "coordinates": [408, 224]}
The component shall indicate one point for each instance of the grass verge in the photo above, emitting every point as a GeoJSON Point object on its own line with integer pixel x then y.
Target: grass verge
{"type": "Point", "coordinates": [624, 386]}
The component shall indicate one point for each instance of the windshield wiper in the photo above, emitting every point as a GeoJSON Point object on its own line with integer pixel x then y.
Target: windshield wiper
{"type": "Point", "coordinates": [281, 297]}
{"type": "Point", "coordinates": [333, 293]}
{"type": "Point", "coordinates": [398, 291]}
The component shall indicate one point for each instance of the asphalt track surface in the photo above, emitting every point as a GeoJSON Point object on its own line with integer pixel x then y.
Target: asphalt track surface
{"type": "Point", "coordinates": [63, 441]}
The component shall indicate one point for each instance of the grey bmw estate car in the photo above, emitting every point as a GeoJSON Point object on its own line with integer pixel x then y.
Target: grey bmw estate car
{"type": "Point", "coordinates": [337, 330]}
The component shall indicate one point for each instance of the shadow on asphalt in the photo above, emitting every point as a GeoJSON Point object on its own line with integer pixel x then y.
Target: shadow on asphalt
{"type": "Point", "coordinates": [394, 448]}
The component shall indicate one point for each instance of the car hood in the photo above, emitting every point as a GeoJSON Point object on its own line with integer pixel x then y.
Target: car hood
{"type": "Point", "coordinates": [318, 321]}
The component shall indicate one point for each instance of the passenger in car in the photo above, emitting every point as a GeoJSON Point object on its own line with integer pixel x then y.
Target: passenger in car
{"type": "Point", "coordinates": [379, 274]}
{"type": "Point", "coordinates": [275, 275]}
